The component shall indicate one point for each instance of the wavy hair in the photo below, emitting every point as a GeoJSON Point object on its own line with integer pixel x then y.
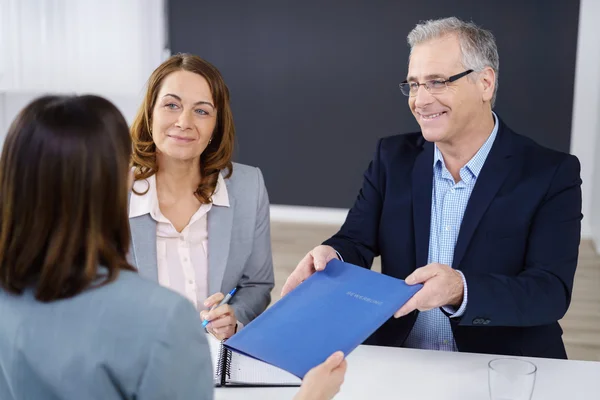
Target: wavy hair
{"type": "Point", "coordinates": [217, 155]}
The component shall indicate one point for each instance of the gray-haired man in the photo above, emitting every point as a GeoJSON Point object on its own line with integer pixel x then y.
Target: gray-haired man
{"type": "Point", "coordinates": [488, 220]}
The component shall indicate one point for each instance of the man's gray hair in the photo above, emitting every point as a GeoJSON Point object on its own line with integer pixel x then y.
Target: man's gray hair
{"type": "Point", "coordinates": [478, 46]}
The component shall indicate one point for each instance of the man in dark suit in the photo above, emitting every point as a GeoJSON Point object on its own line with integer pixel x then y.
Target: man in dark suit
{"type": "Point", "coordinates": [488, 220]}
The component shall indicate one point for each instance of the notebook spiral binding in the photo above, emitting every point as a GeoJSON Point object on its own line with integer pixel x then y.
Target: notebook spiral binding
{"type": "Point", "coordinates": [224, 364]}
{"type": "Point", "coordinates": [220, 361]}
{"type": "Point", "coordinates": [227, 362]}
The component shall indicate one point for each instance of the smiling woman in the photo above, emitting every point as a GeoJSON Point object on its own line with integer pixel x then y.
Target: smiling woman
{"type": "Point", "coordinates": [199, 223]}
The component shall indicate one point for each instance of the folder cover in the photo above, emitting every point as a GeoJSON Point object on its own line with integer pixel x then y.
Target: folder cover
{"type": "Point", "coordinates": [334, 309]}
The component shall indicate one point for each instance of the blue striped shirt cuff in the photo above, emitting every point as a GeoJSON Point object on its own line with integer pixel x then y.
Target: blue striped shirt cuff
{"type": "Point", "coordinates": [452, 310]}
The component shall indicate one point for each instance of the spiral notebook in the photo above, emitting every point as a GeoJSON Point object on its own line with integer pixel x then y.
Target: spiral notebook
{"type": "Point", "coordinates": [233, 369]}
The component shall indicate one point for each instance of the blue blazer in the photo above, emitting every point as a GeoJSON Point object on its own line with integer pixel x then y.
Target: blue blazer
{"type": "Point", "coordinates": [517, 246]}
{"type": "Point", "coordinates": [130, 339]}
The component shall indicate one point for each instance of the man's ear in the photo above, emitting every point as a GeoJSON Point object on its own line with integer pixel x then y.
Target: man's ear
{"type": "Point", "coordinates": [487, 82]}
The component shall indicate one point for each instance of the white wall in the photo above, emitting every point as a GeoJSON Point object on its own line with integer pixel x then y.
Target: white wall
{"type": "Point", "coordinates": [586, 137]}
{"type": "Point", "coordinates": [595, 201]}
{"type": "Point", "coordinates": [107, 47]}
{"type": "Point", "coordinates": [79, 45]}
{"type": "Point", "coordinates": [12, 102]}
{"type": "Point", "coordinates": [586, 114]}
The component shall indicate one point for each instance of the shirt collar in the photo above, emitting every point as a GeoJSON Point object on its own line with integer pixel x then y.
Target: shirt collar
{"type": "Point", "coordinates": [221, 197]}
{"type": "Point", "coordinates": [148, 201]}
{"type": "Point", "coordinates": [145, 203]}
{"type": "Point", "coordinates": [475, 164]}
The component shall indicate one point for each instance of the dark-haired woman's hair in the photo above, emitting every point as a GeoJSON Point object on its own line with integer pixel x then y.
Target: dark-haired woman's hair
{"type": "Point", "coordinates": [63, 197]}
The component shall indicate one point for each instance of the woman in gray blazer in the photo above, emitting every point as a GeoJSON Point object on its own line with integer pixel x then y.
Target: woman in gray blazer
{"type": "Point", "coordinates": [199, 223]}
{"type": "Point", "coordinates": [76, 321]}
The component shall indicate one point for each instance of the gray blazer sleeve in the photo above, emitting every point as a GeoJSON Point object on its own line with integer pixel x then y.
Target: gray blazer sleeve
{"type": "Point", "coordinates": [179, 364]}
{"type": "Point", "coordinates": [257, 281]}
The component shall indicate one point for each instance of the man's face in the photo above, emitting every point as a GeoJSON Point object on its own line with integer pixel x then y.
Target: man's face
{"type": "Point", "coordinates": [444, 116]}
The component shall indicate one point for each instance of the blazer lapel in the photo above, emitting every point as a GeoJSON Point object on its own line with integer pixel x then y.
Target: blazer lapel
{"type": "Point", "coordinates": [143, 238]}
{"type": "Point", "coordinates": [220, 224]}
{"type": "Point", "coordinates": [490, 179]}
{"type": "Point", "coordinates": [422, 178]}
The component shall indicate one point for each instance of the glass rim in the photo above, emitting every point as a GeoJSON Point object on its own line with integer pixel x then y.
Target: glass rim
{"type": "Point", "coordinates": [430, 90]}
{"type": "Point", "coordinates": [513, 359]}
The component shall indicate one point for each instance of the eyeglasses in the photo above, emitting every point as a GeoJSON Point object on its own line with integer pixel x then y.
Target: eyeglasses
{"type": "Point", "coordinates": [434, 86]}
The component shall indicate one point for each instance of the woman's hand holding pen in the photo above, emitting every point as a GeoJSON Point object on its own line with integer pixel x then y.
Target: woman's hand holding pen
{"type": "Point", "coordinates": [223, 322]}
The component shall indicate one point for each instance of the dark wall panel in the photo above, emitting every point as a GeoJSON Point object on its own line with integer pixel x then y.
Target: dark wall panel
{"type": "Point", "coordinates": [315, 83]}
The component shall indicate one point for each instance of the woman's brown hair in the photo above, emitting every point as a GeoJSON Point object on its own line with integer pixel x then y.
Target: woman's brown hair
{"type": "Point", "coordinates": [63, 197]}
{"type": "Point", "coordinates": [217, 155]}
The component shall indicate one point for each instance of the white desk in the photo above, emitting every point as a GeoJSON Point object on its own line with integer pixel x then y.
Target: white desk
{"type": "Point", "coordinates": [404, 374]}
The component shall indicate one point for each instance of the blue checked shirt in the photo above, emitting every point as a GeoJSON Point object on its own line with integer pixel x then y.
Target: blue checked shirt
{"type": "Point", "coordinates": [448, 202]}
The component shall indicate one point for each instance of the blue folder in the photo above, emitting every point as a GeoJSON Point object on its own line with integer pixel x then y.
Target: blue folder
{"type": "Point", "coordinates": [334, 309]}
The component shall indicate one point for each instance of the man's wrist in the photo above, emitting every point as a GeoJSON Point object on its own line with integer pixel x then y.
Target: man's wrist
{"type": "Point", "coordinates": [458, 298]}
{"type": "Point", "coordinates": [457, 310]}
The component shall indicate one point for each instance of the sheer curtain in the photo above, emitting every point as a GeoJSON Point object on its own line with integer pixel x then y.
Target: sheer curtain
{"type": "Point", "coordinates": [107, 47]}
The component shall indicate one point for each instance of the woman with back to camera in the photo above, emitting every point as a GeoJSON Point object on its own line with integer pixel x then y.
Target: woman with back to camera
{"type": "Point", "coordinates": [199, 223]}
{"type": "Point", "coordinates": [77, 321]}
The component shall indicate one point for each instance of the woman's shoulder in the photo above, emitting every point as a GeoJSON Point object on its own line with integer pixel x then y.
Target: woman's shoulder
{"type": "Point", "coordinates": [136, 295]}
{"type": "Point", "coordinates": [129, 306]}
{"type": "Point", "coordinates": [244, 170]}
{"type": "Point", "coordinates": [244, 178]}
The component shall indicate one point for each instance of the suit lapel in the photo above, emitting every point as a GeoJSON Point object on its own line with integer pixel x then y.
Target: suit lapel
{"type": "Point", "coordinates": [220, 224]}
{"type": "Point", "coordinates": [493, 174]}
{"type": "Point", "coordinates": [143, 236]}
{"type": "Point", "coordinates": [422, 178]}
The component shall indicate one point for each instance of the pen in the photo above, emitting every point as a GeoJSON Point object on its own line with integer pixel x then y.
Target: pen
{"type": "Point", "coordinates": [224, 301]}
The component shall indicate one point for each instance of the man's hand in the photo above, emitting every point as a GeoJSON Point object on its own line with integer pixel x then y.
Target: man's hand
{"type": "Point", "coordinates": [442, 286]}
{"type": "Point", "coordinates": [222, 319]}
{"type": "Point", "coordinates": [315, 260]}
